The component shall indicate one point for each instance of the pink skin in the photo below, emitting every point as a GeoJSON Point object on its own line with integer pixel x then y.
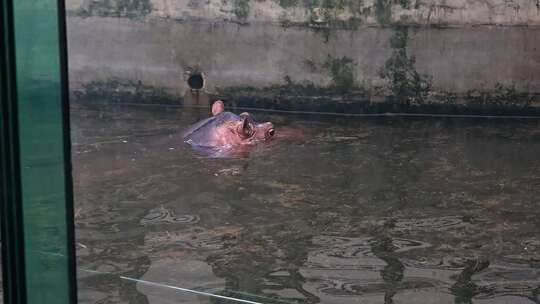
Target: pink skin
{"type": "Point", "coordinates": [242, 132]}
{"type": "Point", "coordinates": [218, 107]}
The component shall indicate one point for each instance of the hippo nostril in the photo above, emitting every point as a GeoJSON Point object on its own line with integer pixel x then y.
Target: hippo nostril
{"type": "Point", "coordinates": [271, 132]}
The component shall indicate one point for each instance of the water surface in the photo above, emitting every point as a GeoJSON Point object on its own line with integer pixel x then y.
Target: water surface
{"type": "Point", "coordinates": [361, 210]}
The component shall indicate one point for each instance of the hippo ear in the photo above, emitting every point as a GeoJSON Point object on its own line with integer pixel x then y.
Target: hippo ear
{"type": "Point", "coordinates": [244, 128]}
{"type": "Point", "coordinates": [218, 107]}
{"type": "Point", "coordinates": [249, 116]}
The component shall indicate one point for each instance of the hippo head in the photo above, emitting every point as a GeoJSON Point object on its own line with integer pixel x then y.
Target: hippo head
{"type": "Point", "coordinates": [251, 130]}
{"type": "Point", "coordinates": [225, 129]}
{"type": "Point", "coordinates": [243, 131]}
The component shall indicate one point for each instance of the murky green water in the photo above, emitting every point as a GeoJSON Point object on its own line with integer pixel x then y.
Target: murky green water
{"type": "Point", "coordinates": [361, 210]}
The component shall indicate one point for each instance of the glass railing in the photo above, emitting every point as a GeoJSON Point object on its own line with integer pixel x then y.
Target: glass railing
{"type": "Point", "coordinates": [36, 182]}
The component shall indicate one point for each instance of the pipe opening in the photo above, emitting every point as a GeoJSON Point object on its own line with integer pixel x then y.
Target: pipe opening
{"type": "Point", "coordinates": [195, 82]}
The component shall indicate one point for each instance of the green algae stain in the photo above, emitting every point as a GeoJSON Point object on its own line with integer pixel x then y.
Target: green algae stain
{"type": "Point", "coordinates": [383, 11]}
{"type": "Point", "coordinates": [241, 9]}
{"type": "Point", "coordinates": [132, 9]}
{"type": "Point", "coordinates": [406, 84]}
{"type": "Point", "coordinates": [326, 17]}
{"type": "Point", "coordinates": [119, 90]}
{"type": "Point", "coordinates": [287, 3]}
{"type": "Point", "coordinates": [342, 72]}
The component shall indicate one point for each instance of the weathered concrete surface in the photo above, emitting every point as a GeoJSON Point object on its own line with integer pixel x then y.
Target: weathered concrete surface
{"type": "Point", "coordinates": [445, 12]}
{"type": "Point", "coordinates": [452, 53]}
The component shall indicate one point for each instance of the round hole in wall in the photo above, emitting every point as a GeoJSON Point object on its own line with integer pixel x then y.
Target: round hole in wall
{"type": "Point", "coordinates": [195, 81]}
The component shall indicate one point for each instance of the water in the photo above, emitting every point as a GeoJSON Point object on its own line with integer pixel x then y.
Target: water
{"type": "Point", "coordinates": [361, 210]}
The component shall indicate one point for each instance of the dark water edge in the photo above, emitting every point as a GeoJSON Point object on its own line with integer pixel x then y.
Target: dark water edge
{"type": "Point", "coordinates": [501, 102]}
{"type": "Point", "coordinates": [470, 105]}
{"type": "Point", "coordinates": [361, 210]}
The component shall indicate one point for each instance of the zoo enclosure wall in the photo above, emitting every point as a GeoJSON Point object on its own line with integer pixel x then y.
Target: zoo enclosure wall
{"type": "Point", "coordinates": [318, 55]}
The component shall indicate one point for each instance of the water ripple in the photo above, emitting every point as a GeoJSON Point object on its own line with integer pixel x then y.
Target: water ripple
{"type": "Point", "coordinates": [162, 215]}
{"type": "Point", "coordinates": [434, 223]}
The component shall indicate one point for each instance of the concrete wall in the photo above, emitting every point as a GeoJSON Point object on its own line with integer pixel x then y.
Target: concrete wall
{"type": "Point", "coordinates": [338, 55]}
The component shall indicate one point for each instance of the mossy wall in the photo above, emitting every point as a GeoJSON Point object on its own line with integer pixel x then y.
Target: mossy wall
{"type": "Point", "coordinates": [453, 56]}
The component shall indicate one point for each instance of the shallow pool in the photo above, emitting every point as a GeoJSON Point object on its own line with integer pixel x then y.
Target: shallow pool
{"type": "Point", "coordinates": [359, 210]}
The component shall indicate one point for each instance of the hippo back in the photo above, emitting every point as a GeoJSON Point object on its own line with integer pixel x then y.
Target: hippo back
{"type": "Point", "coordinates": [199, 133]}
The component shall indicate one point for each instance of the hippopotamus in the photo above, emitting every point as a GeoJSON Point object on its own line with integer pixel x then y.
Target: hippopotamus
{"type": "Point", "coordinates": [225, 133]}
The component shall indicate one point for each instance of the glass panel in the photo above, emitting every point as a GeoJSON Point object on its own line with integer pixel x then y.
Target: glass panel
{"type": "Point", "coordinates": [3, 123]}
{"type": "Point", "coordinates": [40, 165]}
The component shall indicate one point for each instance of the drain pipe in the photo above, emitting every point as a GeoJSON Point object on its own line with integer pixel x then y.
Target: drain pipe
{"type": "Point", "coordinates": [196, 82]}
{"type": "Point", "coordinates": [195, 94]}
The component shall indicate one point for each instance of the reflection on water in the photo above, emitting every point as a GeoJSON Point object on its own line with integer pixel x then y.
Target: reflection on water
{"type": "Point", "coordinates": [378, 210]}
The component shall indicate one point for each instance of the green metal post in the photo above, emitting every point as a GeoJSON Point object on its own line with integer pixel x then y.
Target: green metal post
{"type": "Point", "coordinates": [11, 208]}
{"type": "Point", "coordinates": [38, 256]}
